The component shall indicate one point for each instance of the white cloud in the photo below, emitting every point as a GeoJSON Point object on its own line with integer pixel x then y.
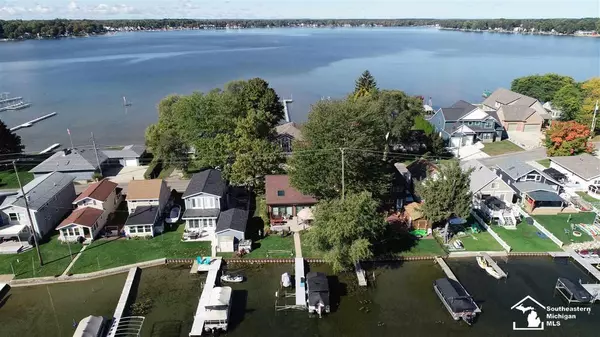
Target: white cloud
{"type": "Point", "coordinates": [114, 9]}
{"type": "Point", "coordinates": [41, 9]}
{"type": "Point", "coordinates": [73, 7]}
{"type": "Point", "coordinates": [12, 10]}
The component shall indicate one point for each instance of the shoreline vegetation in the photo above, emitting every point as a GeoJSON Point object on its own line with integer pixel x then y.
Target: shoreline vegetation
{"type": "Point", "coordinates": [16, 30]}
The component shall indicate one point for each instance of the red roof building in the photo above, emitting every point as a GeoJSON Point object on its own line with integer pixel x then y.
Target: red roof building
{"type": "Point", "coordinates": [284, 201]}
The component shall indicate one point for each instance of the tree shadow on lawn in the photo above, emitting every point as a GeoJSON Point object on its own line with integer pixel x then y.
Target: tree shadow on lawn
{"type": "Point", "coordinates": [394, 243]}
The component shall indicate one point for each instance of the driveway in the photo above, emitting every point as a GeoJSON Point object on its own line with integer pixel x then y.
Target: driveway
{"type": "Point", "coordinates": [527, 140]}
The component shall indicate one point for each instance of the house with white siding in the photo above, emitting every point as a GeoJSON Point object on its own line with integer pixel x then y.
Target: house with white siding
{"type": "Point", "coordinates": [204, 198]}
{"type": "Point", "coordinates": [582, 172]}
{"type": "Point", "coordinates": [93, 208]}
{"type": "Point", "coordinates": [49, 198]}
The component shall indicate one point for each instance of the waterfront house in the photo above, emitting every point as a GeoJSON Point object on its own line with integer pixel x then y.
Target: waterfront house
{"type": "Point", "coordinates": [535, 190]}
{"type": "Point", "coordinates": [81, 164]}
{"type": "Point", "coordinates": [93, 207]}
{"type": "Point", "coordinates": [516, 112]}
{"type": "Point", "coordinates": [49, 197]}
{"type": "Point", "coordinates": [463, 124]}
{"type": "Point", "coordinates": [492, 196]}
{"type": "Point", "coordinates": [152, 192]}
{"type": "Point", "coordinates": [582, 172]}
{"type": "Point", "coordinates": [553, 111]}
{"type": "Point", "coordinates": [284, 201]}
{"type": "Point", "coordinates": [286, 134]}
{"type": "Point", "coordinates": [142, 221]}
{"type": "Point", "coordinates": [127, 156]}
{"type": "Point", "coordinates": [401, 183]}
{"type": "Point", "coordinates": [204, 198]}
{"type": "Point", "coordinates": [231, 229]}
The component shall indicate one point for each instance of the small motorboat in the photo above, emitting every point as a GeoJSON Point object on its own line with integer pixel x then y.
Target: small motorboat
{"type": "Point", "coordinates": [174, 214]}
{"type": "Point", "coordinates": [457, 244]}
{"type": "Point", "coordinates": [584, 253]}
{"type": "Point", "coordinates": [286, 280]}
{"type": "Point", "coordinates": [232, 278]}
{"type": "Point", "coordinates": [481, 262]}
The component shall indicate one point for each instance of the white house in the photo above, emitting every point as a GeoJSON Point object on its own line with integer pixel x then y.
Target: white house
{"type": "Point", "coordinates": [231, 228]}
{"type": "Point", "coordinates": [204, 199]}
{"type": "Point", "coordinates": [142, 221]}
{"type": "Point", "coordinates": [582, 172]}
{"type": "Point", "coordinates": [127, 156]}
{"type": "Point", "coordinates": [147, 193]}
{"type": "Point", "coordinates": [49, 197]}
{"type": "Point", "coordinates": [93, 208]}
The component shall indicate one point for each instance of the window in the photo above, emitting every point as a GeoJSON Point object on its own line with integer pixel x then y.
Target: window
{"type": "Point", "coordinates": [132, 229]}
{"type": "Point", "coordinates": [494, 185]}
{"type": "Point", "coordinates": [533, 177]}
{"type": "Point", "coordinates": [13, 216]}
{"type": "Point", "coordinates": [148, 229]}
{"type": "Point", "coordinates": [501, 197]}
{"type": "Point", "coordinates": [280, 193]}
{"type": "Point", "coordinates": [489, 124]}
{"type": "Point", "coordinates": [193, 201]}
{"type": "Point", "coordinates": [71, 231]}
{"type": "Point", "coordinates": [596, 182]}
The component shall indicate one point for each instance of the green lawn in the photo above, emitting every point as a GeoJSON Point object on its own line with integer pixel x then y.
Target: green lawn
{"type": "Point", "coordinates": [544, 162]}
{"type": "Point", "coordinates": [424, 247]}
{"type": "Point", "coordinates": [104, 254]}
{"type": "Point", "coordinates": [525, 239]}
{"type": "Point", "coordinates": [480, 242]}
{"type": "Point", "coordinates": [589, 198]}
{"type": "Point", "coordinates": [501, 147]}
{"type": "Point", "coordinates": [273, 246]}
{"type": "Point", "coordinates": [8, 179]}
{"type": "Point", "coordinates": [557, 224]}
{"type": "Point", "coordinates": [54, 254]}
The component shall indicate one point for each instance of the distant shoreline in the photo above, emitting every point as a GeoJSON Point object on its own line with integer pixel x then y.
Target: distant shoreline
{"type": "Point", "coordinates": [516, 33]}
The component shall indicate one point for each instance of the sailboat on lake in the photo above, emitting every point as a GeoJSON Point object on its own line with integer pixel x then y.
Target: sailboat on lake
{"type": "Point", "coordinates": [125, 103]}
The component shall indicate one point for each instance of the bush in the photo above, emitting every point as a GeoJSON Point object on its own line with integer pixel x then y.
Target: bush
{"type": "Point", "coordinates": [97, 176]}
{"type": "Point", "coordinates": [262, 209]}
{"type": "Point", "coordinates": [142, 307]}
{"type": "Point", "coordinates": [153, 169]}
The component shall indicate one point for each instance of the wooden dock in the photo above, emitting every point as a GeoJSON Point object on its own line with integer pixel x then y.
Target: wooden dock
{"type": "Point", "coordinates": [300, 282]}
{"type": "Point", "coordinates": [360, 274]}
{"type": "Point", "coordinates": [445, 268]}
{"type": "Point", "coordinates": [211, 281]}
{"type": "Point", "coordinates": [494, 265]}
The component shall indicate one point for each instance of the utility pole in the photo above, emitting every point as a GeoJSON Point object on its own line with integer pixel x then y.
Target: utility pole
{"type": "Point", "coordinates": [594, 120]}
{"type": "Point", "coordinates": [343, 183]}
{"type": "Point", "coordinates": [37, 247]}
{"type": "Point", "coordinates": [96, 151]}
{"type": "Point", "coordinates": [70, 139]}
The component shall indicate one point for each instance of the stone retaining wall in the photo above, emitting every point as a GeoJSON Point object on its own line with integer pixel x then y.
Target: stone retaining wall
{"type": "Point", "coordinates": [84, 277]}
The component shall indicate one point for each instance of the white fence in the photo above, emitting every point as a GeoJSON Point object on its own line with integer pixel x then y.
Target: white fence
{"type": "Point", "coordinates": [542, 229]}
{"type": "Point", "coordinates": [492, 233]}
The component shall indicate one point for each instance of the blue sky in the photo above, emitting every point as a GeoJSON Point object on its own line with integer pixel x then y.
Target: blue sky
{"type": "Point", "coordinates": [112, 9]}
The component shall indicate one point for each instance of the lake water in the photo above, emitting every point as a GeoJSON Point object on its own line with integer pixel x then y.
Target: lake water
{"type": "Point", "coordinates": [84, 80]}
{"type": "Point", "coordinates": [401, 302]}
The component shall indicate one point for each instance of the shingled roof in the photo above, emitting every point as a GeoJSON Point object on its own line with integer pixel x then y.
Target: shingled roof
{"type": "Point", "coordinates": [86, 217]}
{"type": "Point", "coordinates": [71, 160]}
{"type": "Point", "coordinates": [208, 181]}
{"type": "Point", "coordinates": [98, 191]}
{"type": "Point", "coordinates": [280, 192]}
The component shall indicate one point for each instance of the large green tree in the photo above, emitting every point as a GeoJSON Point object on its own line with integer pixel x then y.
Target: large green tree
{"type": "Point", "coordinates": [542, 87]}
{"type": "Point", "coordinates": [359, 126]}
{"type": "Point", "coordinates": [9, 141]}
{"type": "Point", "coordinates": [446, 193]}
{"type": "Point", "coordinates": [345, 230]}
{"type": "Point", "coordinates": [591, 92]}
{"type": "Point", "coordinates": [224, 127]}
{"type": "Point", "coordinates": [568, 99]}
{"type": "Point", "coordinates": [365, 85]}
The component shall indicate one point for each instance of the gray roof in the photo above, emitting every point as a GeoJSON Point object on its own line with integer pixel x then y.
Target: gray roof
{"type": "Point", "coordinates": [544, 196]}
{"type": "Point", "coordinates": [143, 215]}
{"type": "Point", "coordinates": [201, 213]}
{"type": "Point", "coordinates": [71, 160]}
{"type": "Point", "coordinates": [494, 114]}
{"type": "Point", "coordinates": [234, 218]}
{"type": "Point", "coordinates": [401, 168]}
{"type": "Point", "coordinates": [129, 151]}
{"type": "Point", "coordinates": [584, 165]}
{"type": "Point", "coordinates": [208, 181]}
{"type": "Point", "coordinates": [517, 112]}
{"type": "Point", "coordinates": [516, 169]}
{"type": "Point", "coordinates": [529, 186]}
{"type": "Point", "coordinates": [481, 175]}
{"type": "Point", "coordinates": [291, 129]}
{"type": "Point", "coordinates": [505, 96]}
{"type": "Point", "coordinates": [457, 110]}
{"type": "Point", "coordinates": [43, 188]}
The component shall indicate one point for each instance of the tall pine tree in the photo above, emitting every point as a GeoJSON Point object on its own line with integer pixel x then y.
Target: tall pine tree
{"type": "Point", "coordinates": [365, 85]}
{"type": "Point", "coordinates": [9, 141]}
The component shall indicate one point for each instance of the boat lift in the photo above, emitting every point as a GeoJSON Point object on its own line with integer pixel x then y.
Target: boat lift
{"type": "Point", "coordinates": [577, 292]}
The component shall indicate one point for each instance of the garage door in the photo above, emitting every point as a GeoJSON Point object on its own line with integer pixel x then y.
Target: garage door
{"type": "Point", "coordinates": [512, 127]}
{"type": "Point", "coordinates": [131, 162]}
{"type": "Point", "coordinates": [532, 128]}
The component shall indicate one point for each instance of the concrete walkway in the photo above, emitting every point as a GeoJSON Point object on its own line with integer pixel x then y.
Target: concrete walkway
{"type": "Point", "coordinates": [297, 244]}
{"type": "Point", "coordinates": [73, 262]}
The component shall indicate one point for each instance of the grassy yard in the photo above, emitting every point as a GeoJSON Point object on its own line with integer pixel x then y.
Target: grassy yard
{"type": "Point", "coordinates": [424, 247]}
{"type": "Point", "coordinates": [104, 254]}
{"type": "Point", "coordinates": [501, 147]}
{"type": "Point", "coordinates": [8, 179]}
{"type": "Point", "coordinates": [273, 246]}
{"type": "Point", "coordinates": [544, 162]}
{"type": "Point", "coordinates": [480, 242]}
{"type": "Point", "coordinates": [557, 224]}
{"type": "Point", "coordinates": [54, 254]}
{"type": "Point", "coordinates": [588, 198]}
{"type": "Point", "coordinates": [525, 239]}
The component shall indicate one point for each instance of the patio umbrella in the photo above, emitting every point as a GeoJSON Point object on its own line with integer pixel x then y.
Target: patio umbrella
{"type": "Point", "coordinates": [306, 214]}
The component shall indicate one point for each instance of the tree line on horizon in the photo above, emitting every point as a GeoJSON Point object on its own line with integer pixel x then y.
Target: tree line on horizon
{"type": "Point", "coordinates": [31, 29]}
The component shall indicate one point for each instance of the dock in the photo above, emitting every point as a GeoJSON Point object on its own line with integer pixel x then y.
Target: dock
{"type": "Point", "coordinates": [594, 290]}
{"type": "Point", "coordinates": [286, 110]}
{"type": "Point", "coordinates": [300, 282]}
{"type": "Point", "coordinates": [446, 269]}
{"type": "Point", "coordinates": [211, 280]}
{"type": "Point", "coordinates": [50, 148]}
{"type": "Point", "coordinates": [584, 263]}
{"type": "Point", "coordinates": [559, 254]}
{"type": "Point", "coordinates": [122, 304]}
{"type": "Point", "coordinates": [31, 122]}
{"type": "Point", "coordinates": [360, 275]}
{"type": "Point", "coordinates": [494, 265]}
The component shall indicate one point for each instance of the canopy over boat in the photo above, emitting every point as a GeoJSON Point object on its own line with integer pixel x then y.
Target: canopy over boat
{"type": "Point", "coordinates": [455, 295]}
{"type": "Point", "coordinates": [578, 291]}
{"type": "Point", "coordinates": [318, 289]}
